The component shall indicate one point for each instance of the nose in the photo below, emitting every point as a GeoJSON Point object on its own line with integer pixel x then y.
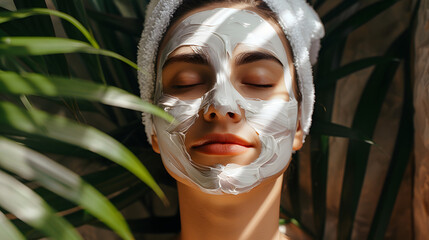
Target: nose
{"type": "Point", "coordinates": [213, 114]}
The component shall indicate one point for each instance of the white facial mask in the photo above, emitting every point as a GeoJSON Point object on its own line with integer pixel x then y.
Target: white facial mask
{"type": "Point", "coordinates": [216, 33]}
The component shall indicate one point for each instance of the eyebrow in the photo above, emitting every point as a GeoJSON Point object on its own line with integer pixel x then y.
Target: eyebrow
{"type": "Point", "coordinates": [194, 58]}
{"type": "Point", "coordinates": [249, 57]}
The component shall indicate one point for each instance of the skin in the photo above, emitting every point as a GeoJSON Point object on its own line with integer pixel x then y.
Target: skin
{"type": "Point", "coordinates": [251, 215]}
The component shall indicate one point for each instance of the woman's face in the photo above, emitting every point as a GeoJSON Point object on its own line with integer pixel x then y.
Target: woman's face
{"type": "Point", "coordinates": [255, 74]}
{"type": "Point", "coordinates": [227, 77]}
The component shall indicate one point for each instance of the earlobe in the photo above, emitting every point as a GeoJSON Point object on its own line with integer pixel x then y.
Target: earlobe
{"type": "Point", "coordinates": [299, 135]}
{"type": "Point", "coordinates": [155, 145]}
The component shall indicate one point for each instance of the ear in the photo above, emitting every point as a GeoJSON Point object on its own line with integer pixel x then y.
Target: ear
{"type": "Point", "coordinates": [299, 135]}
{"type": "Point", "coordinates": [155, 145]}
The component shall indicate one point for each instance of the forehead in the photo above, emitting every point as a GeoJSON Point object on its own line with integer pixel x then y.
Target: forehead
{"type": "Point", "coordinates": [225, 29]}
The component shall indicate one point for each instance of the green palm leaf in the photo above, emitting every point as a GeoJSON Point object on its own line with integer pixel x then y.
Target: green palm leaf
{"type": "Point", "coordinates": [33, 166]}
{"type": "Point", "coordinates": [14, 119]}
{"type": "Point", "coordinates": [365, 120]}
{"type": "Point", "coordinates": [336, 130]}
{"type": "Point", "coordinates": [31, 209]}
{"type": "Point", "coordinates": [24, 46]}
{"type": "Point", "coordinates": [8, 230]}
{"type": "Point", "coordinates": [24, 13]}
{"type": "Point", "coordinates": [41, 85]}
{"type": "Point", "coordinates": [331, 78]}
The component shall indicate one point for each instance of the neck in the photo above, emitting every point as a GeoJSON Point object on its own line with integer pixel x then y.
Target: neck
{"type": "Point", "coordinates": [246, 216]}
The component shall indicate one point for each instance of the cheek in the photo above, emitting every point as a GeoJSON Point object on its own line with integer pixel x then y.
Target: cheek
{"type": "Point", "coordinates": [276, 117]}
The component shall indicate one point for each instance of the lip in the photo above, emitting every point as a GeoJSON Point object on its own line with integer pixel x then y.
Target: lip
{"type": "Point", "coordinates": [221, 144]}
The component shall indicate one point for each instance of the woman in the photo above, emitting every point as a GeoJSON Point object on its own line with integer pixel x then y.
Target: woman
{"type": "Point", "coordinates": [229, 75]}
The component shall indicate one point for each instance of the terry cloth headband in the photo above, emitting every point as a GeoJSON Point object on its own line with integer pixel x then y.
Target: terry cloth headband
{"type": "Point", "coordinates": [299, 22]}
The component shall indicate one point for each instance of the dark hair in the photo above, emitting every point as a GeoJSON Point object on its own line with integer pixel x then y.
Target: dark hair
{"type": "Point", "coordinates": [188, 5]}
{"type": "Point", "coordinates": [262, 7]}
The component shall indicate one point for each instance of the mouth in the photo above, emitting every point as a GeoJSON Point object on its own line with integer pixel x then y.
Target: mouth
{"type": "Point", "coordinates": [221, 144]}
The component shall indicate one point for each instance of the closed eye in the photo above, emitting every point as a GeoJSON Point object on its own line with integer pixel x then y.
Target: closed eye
{"type": "Point", "coordinates": [187, 85]}
{"type": "Point", "coordinates": [259, 85]}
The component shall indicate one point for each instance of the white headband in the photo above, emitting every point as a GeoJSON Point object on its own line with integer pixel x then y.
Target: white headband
{"type": "Point", "coordinates": [298, 20]}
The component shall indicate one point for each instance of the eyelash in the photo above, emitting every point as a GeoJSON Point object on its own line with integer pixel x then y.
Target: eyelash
{"type": "Point", "coordinates": [248, 84]}
{"type": "Point", "coordinates": [186, 86]}
{"type": "Point", "coordinates": [259, 85]}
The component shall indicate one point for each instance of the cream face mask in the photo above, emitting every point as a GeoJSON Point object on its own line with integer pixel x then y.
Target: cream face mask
{"type": "Point", "coordinates": [216, 34]}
